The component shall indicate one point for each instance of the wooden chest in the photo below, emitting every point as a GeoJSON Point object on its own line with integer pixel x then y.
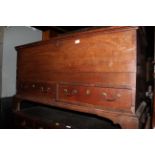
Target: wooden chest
{"type": "Point", "coordinates": [99, 71]}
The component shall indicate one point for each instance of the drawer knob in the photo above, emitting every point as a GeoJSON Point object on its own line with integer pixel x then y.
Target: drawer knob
{"type": "Point", "coordinates": [66, 92]}
{"type": "Point", "coordinates": [74, 92]}
{"type": "Point", "coordinates": [42, 89]}
{"type": "Point", "coordinates": [33, 86]}
{"type": "Point", "coordinates": [104, 94]}
{"type": "Point", "coordinates": [118, 95]}
{"type": "Point", "coordinates": [87, 92]}
{"type": "Point", "coordinates": [48, 89]}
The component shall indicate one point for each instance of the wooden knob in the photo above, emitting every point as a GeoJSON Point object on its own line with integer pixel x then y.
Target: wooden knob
{"type": "Point", "coordinates": [48, 89]}
{"type": "Point", "coordinates": [118, 95]}
{"type": "Point", "coordinates": [42, 89]}
{"type": "Point", "coordinates": [33, 86]}
{"type": "Point", "coordinates": [66, 91]}
{"type": "Point", "coordinates": [87, 92]}
{"type": "Point", "coordinates": [104, 94]}
{"type": "Point", "coordinates": [74, 91]}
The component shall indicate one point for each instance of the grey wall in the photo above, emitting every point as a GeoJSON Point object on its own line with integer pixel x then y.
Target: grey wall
{"type": "Point", "coordinates": [14, 36]}
{"type": "Point", "coordinates": [1, 55]}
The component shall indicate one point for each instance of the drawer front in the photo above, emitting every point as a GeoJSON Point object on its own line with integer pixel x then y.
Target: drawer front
{"type": "Point", "coordinates": [107, 97]}
{"type": "Point", "coordinates": [37, 91]}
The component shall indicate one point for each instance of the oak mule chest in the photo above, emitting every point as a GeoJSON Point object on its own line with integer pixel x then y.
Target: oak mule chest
{"type": "Point", "coordinates": [99, 71]}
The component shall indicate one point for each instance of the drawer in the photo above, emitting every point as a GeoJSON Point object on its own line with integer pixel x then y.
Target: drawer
{"type": "Point", "coordinates": [106, 97]}
{"type": "Point", "coordinates": [37, 91]}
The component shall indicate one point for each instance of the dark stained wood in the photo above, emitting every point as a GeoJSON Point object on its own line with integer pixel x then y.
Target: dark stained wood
{"type": "Point", "coordinates": [92, 71]}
